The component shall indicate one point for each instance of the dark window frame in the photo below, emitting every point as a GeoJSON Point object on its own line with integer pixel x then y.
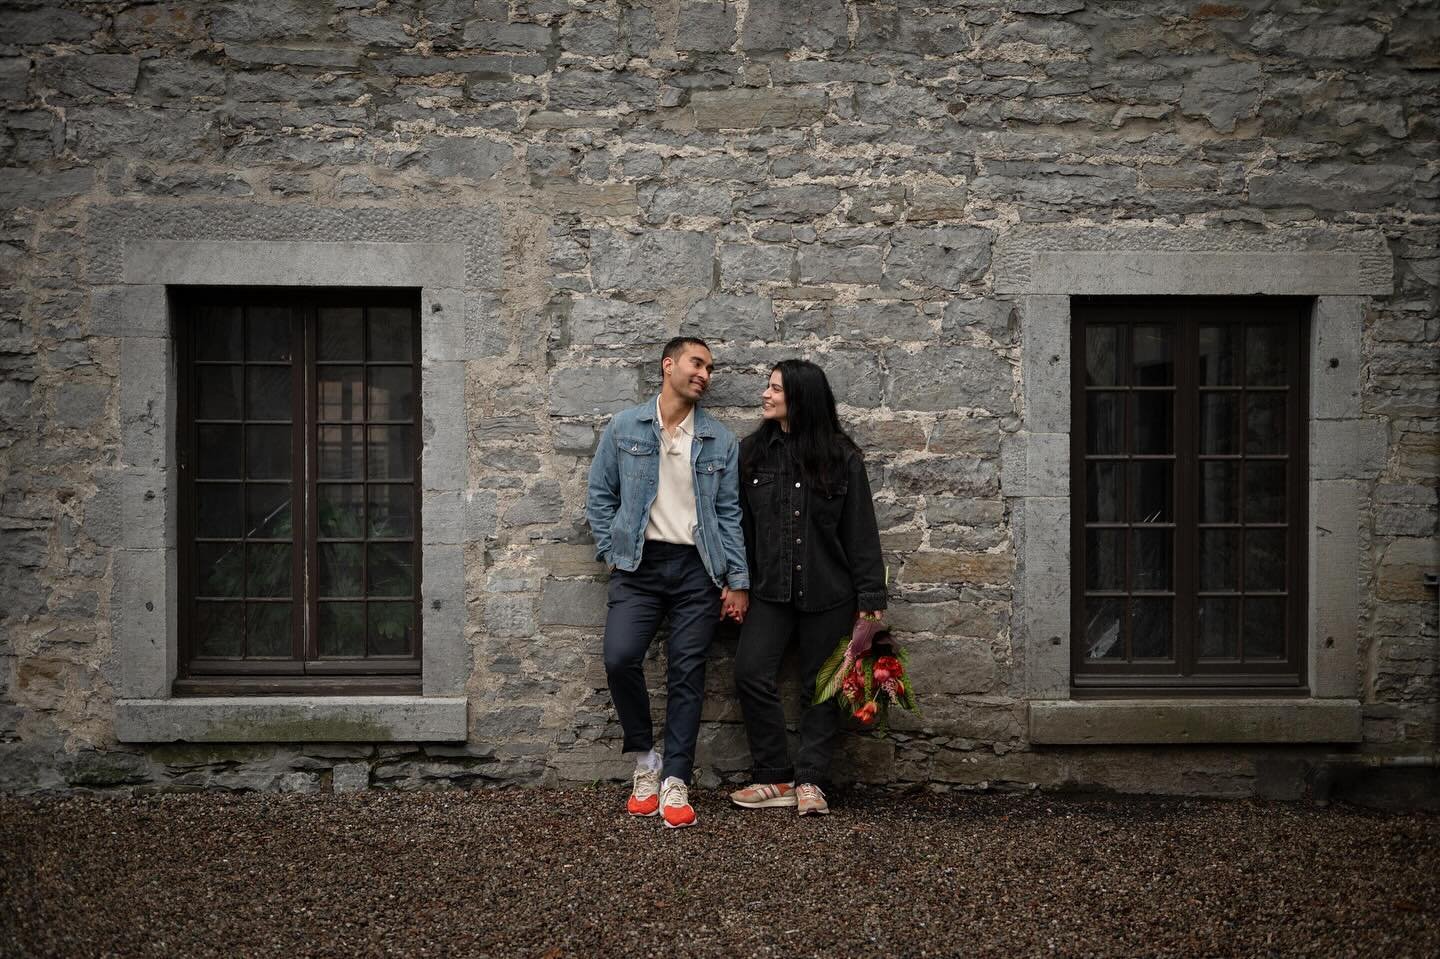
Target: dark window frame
{"type": "Point", "coordinates": [1185, 672]}
{"type": "Point", "coordinates": [304, 671]}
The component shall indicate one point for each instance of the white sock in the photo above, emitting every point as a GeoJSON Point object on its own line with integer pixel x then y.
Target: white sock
{"type": "Point", "coordinates": [649, 761]}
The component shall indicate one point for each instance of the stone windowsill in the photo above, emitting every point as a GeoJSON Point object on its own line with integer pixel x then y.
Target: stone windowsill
{"type": "Point", "coordinates": [1071, 722]}
{"type": "Point", "coordinates": [288, 719]}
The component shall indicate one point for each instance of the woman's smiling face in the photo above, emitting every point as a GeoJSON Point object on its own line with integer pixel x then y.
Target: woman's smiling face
{"type": "Point", "coordinates": [772, 401]}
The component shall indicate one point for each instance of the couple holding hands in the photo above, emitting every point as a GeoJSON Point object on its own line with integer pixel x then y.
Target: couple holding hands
{"type": "Point", "coordinates": [776, 531]}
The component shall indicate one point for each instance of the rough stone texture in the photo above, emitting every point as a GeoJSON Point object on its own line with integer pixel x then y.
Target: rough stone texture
{"type": "Point", "coordinates": [863, 184]}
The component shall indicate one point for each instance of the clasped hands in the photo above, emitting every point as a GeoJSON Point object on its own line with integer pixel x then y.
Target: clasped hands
{"type": "Point", "coordinates": [734, 603]}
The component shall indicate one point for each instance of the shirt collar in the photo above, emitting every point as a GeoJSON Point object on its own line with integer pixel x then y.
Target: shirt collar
{"type": "Point", "coordinates": [687, 425]}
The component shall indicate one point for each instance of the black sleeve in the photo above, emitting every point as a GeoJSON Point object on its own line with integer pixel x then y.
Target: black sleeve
{"type": "Point", "coordinates": [860, 536]}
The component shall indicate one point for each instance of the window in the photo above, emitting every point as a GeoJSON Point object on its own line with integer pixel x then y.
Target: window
{"type": "Point", "coordinates": [1188, 493]}
{"type": "Point", "coordinates": [299, 456]}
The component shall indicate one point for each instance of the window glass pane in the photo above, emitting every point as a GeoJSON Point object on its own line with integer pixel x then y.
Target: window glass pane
{"type": "Point", "coordinates": [1264, 491]}
{"type": "Point", "coordinates": [269, 573]}
{"type": "Point", "coordinates": [392, 395]}
{"type": "Point", "coordinates": [1151, 559]}
{"type": "Point", "coordinates": [1265, 423]}
{"type": "Point", "coordinates": [267, 511]}
{"type": "Point", "coordinates": [1102, 352]}
{"type": "Point", "coordinates": [217, 392]}
{"type": "Point", "coordinates": [340, 334]}
{"type": "Point", "coordinates": [1103, 639]}
{"type": "Point", "coordinates": [267, 452]}
{"type": "Point", "coordinates": [1105, 559]}
{"type": "Point", "coordinates": [392, 628]}
{"type": "Point", "coordinates": [340, 511]}
{"type": "Point", "coordinates": [340, 395]}
{"type": "Point", "coordinates": [1219, 559]}
{"type": "Point", "coordinates": [268, 629]}
{"type": "Point", "coordinates": [217, 452]}
{"type": "Point", "coordinates": [1152, 491]}
{"type": "Point", "coordinates": [1104, 423]}
{"type": "Point", "coordinates": [267, 393]}
{"type": "Point", "coordinates": [391, 332]}
{"type": "Point", "coordinates": [267, 333]}
{"type": "Point", "coordinates": [1265, 356]}
{"type": "Point", "coordinates": [392, 514]}
{"type": "Point", "coordinates": [391, 454]}
{"type": "Point", "coordinates": [217, 510]}
{"type": "Point", "coordinates": [219, 569]}
{"type": "Point", "coordinates": [217, 333]}
{"type": "Point", "coordinates": [1219, 492]}
{"type": "Point", "coordinates": [391, 571]}
{"type": "Point", "coordinates": [1264, 560]}
{"type": "Point", "coordinates": [1151, 633]}
{"type": "Point", "coordinates": [339, 569]}
{"type": "Point", "coordinates": [1264, 631]}
{"type": "Point", "coordinates": [219, 629]}
{"type": "Point", "coordinates": [1219, 627]}
{"type": "Point", "coordinates": [1104, 492]}
{"type": "Point", "coordinates": [1153, 418]}
{"type": "Point", "coordinates": [1217, 355]}
{"type": "Point", "coordinates": [341, 629]}
{"type": "Point", "coordinates": [1153, 363]}
{"type": "Point", "coordinates": [1218, 432]}
{"type": "Point", "coordinates": [340, 453]}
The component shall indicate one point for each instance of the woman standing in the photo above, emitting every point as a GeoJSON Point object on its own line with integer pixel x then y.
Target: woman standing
{"type": "Point", "coordinates": [814, 552]}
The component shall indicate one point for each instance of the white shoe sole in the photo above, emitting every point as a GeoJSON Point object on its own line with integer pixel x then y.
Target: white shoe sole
{"type": "Point", "coordinates": [816, 812]}
{"type": "Point", "coordinates": [772, 803]}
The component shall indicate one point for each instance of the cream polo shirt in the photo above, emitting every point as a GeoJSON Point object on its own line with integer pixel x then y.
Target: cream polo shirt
{"type": "Point", "coordinates": [672, 517]}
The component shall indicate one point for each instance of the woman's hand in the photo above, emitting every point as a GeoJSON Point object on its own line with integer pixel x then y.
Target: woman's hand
{"type": "Point", "coordinates": [871, 613]}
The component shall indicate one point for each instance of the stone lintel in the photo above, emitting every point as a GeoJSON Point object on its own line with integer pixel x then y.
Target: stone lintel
{"type": "Point", "coordinates": [1184, 721]}
{"type": "Point", "coordinates": [292, 719]}
{"type": "Point", "coordinates": [293, 263]}
{"type": "Point", "coordinates": [1191, 273]}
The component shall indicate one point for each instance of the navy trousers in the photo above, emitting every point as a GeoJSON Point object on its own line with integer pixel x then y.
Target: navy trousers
{"type": "Point", "coordinates": [671, 580]}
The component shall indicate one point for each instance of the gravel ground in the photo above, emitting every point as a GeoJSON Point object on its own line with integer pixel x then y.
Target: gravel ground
{"type": "Point", "coordinates": [565, 873]}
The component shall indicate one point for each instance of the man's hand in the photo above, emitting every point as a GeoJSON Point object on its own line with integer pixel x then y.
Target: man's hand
{"type": "Point", "coordinates": [871, 613]}
{"type": "Point", "coordinates": [734, 603]}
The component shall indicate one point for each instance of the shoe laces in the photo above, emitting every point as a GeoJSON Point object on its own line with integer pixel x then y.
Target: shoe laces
{"type": "Point", "coordinates": [809, 792]}
{"type": "Point", "coordinates": [647, 782]}
{"type": "Point", "coordinates": [675, 794]}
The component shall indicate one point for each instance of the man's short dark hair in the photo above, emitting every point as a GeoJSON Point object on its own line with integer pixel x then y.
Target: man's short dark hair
{"type": "Point", "coordinates": [675, 347]}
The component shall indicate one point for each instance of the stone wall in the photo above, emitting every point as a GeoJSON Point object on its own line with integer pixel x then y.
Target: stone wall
{"type": "Point", "coordinates": [826, 178]}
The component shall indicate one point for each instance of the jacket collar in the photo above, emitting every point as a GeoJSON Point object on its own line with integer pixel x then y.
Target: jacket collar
{"type": "Point", "coordinates": [704, 424]}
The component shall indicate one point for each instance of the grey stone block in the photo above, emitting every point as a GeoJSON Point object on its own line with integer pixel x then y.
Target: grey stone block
{"type": "Point", "coordinates": [573, 603]}
{"type": "Point", "coordinates": [542, 503]}
{"type": "Point", "coordinates": [23, 188]}
{"type": "Point", "coordinates": [1081, 722]}
{"type": "Point", "coordinates": [655, 260]}
{"type": "Point", "coordinates": [489, 35]}
{"type": "Point", "coordinates": [823, 263]}
{"type": "Point", "coordinates": [601, 321]}
{"type": "Point", "coordinates": [145, 403]}
{"type": "Point", "coordinates": [876, 320]}
{"type": "Point", "coordinates": [781, 25]}
{"type": "Point", "coordinates": [991, 315]}
{"type": "Point", "coordinates": [590, 35]}
{"type": "Point", "coordinates": [592, 390]}
{"type": "Point", "coordinates": [47, 25]}
{"type": "Point", "coordinates": [467, 158]}
{"type": "Point", "coordinates": [145, 632]}
{"type": "Point", "coordinates": [575, 439]}
{"type": "Point", "coordinates": [944, 257]}
{"type": "Point", "coordinates": [481, 515]}
{"type": "Point", "coordinates": [445, 666]}
{"type": "Point", "coordinates": [443, 457]}
{"type": "Point", "coordinates": [1045, 363]}
{"type": "Point", "coordinates": [350, 777]}
{"type": "Point", "coordinates": [746, 265]}
{"type": "Point", "coordinates": [731, 318]}
{"type": "Point", "coordinates": [705, 26]}
{"type": "Point", "coordinates": [442, 325]}
{"type": "Point", "coordinates": [1334, 587]}
{"type": "Point", "coordinates": [14, 79]}
{"type": "Point", "coordinates": [854, 377]}
{"type": "Point", "coordinates": [663, 202]}
{"type": "Point", "coordinates": [292, 719]}
{"type": "Point", "coordinates": [790, 204]}
{"type": "Point", "coordinates": [960, 377]}
{"type": "Point", "coordinates": [755, 109]}
{"type": "Point", "coordinates": [292, 263]}
{"type": "Point", "coordinates": [80, 405]}
{"type": "Point", "coordinates": [91, 75]}
{"type": "Point", "coordinates": [1223, 94]}
{"type": "Point", "coordinates": [1348, 449]}
{"type": "Point", "coordinates": [442, 518]}
{"type": "Point", "coordinates": [1034, 464]}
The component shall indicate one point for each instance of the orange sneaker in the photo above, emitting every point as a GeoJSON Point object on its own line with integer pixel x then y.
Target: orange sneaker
{"type": "Point", "coordinates": [645, 794]}
{"type": "Point", "coordinates": [675, 805]}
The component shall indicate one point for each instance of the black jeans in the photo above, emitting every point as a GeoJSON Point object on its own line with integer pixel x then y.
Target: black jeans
{"type": "Point", "coordinates": [769, 628]}
{"type": "Point", "coordinates": [670, 579]}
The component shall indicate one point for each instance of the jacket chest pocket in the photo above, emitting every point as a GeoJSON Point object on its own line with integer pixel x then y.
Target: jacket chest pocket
{"type": "Point", "coordinates": [708, 476]}
{"type": "Point", "coordinates": [829, 503]}
{"type": "Point", "coordinates": [637, 458]}
{"type": "Point", "coordinates": [760, 491]}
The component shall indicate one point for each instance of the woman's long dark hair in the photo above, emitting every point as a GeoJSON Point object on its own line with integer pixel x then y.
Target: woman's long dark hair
{"type": "Point", "coordinates": [817, 443]}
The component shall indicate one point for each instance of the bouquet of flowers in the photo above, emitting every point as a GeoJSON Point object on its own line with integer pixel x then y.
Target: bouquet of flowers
{"type": "Point", "coordinates": [867, 673]}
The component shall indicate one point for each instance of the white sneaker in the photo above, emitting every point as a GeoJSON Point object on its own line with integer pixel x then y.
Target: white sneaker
{"type": "Point", "coordinates": [675, 806]}
{"type": "Point", "coordinates": [645, 794]}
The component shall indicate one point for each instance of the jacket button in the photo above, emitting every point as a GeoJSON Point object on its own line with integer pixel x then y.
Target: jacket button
{"type": "Point", "coordinates": [797, 512]}
{"type": "Point", "coordinates": [797, 542]}
{"type": "Point", "coordinates": [797, 485]}
{"type": "Point", "coordinates": [754, 482]}
{"type": "Point", "coordinates": [800, 593]}
{"type": "Point", "coordinates": [797, 565]}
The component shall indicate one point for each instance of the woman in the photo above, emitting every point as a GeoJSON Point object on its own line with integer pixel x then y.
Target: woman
{"type": "Point", "coordinates": [814, 552]}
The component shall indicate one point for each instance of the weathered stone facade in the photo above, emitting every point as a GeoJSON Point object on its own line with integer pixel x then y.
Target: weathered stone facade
{"type": "Point", "coordinates": [895, 189]}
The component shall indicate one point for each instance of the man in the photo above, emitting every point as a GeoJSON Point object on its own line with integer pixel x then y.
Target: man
{"type": "Point", "coordinates": [664, 507]}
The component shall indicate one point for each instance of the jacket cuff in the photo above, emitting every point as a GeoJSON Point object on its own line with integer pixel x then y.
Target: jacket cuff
{"type": "Point", "coordinates": [871, 600]}
{"type": "Point", "coordinates": [738, 582]}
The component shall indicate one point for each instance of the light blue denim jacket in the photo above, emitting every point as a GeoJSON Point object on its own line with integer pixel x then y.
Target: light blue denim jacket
{"type": "Point", "coordinates": [625, 476]}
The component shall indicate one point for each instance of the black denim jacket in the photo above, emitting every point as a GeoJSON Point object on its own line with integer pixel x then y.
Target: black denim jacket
{"type": "Point", "coordinates": [816, 548]}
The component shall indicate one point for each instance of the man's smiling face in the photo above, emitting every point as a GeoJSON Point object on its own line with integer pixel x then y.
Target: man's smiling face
{"type": "Point", "coordinates": [688, 374]}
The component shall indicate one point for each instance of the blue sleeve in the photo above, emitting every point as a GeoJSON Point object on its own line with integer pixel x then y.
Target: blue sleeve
{"type": "Point", "coordinates": [727, 512]}
{"type": "Point", "coordinates": [603, 494]}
